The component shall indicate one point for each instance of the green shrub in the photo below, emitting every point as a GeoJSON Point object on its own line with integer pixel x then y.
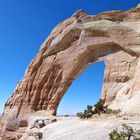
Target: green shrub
{"type": "Point", "coordinates": [126, 133]}
{"type": "Point", "coordinates": [87, 113]}
{"type": "Point", "coordinates": [110, 111]}
{"type": "Point", "coordinates": [80, 115]}
{"type": "Point", "coordinates": [98, 109]}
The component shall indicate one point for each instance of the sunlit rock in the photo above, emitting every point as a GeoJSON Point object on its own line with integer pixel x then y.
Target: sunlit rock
{"type": "Point", "coordinates": [112, 37]}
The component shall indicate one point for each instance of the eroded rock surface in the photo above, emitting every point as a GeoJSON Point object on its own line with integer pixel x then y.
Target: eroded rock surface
{"type": "Point", "coordinates": [112, 37]}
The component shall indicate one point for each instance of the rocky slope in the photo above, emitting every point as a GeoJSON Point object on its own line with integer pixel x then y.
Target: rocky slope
{"type": "Point", "coordinates": [112, 37]}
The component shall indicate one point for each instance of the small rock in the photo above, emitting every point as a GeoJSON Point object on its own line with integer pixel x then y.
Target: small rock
{"type": "Point", "coordinates": [54, 120]}
{"type": "Point", "coordinates": [23, 123]}
{"type": "Point", "coordinates": [19, 136]}
{"type": "Point", "coordinates": [36, 135]}
{"type": "Point", "coordinates": [125, 118]}
{"type": "Point", "coordinates": [38, 124]}
{"type": "Point", "coordinates": [41, 123]}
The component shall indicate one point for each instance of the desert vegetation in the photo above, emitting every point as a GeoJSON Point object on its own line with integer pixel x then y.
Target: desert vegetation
{"type": "Point", "coordinates": [98, 109]}
{"type": "Point", "coordinates": [126, 133]}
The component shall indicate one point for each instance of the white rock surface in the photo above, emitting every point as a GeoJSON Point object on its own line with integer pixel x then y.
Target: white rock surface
{"type": "Point", "coordinates": [76, 129]}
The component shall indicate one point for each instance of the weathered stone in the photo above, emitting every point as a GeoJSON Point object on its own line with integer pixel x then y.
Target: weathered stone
{"type": "Point", "coordinates": [38, 124]}
{"type": "Point", "coordinates": [11, 126]}
{"type": "Point", "coordinates": [23, 123]}
{"type": "Point", "coordinates": [112, 37]}
{"type": "Point", "coordinates": [36, 135]}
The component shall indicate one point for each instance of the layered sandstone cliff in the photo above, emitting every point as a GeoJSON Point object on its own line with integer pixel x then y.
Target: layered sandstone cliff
{"type": "Point", "coordinates": [112, 37]}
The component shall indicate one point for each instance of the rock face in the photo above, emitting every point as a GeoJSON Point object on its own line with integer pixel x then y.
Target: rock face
{"type": "Point", "coordinates": [112, 37]}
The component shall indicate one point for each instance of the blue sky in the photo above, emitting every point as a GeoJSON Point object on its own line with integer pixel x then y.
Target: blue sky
{"type": "Point", "coordinates": [85, 90]}
{"type": "Point", "coordinates": [24, 24]}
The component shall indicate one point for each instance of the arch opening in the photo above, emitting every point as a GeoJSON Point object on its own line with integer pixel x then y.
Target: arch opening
{"type": "Point", "coordinates": [85, 90]}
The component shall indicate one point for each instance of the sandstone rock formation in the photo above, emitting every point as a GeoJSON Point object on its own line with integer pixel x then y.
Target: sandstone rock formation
{"type": "Point", "coordinates": [112, 37]}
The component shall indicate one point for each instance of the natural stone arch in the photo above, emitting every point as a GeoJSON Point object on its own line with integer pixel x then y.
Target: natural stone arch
{"type": "Point", "coordinates": [112, 37]}
{"type": "Point", "coordinates": [57, 72]}
{"type": "Point", "coordinates": [110, 54]}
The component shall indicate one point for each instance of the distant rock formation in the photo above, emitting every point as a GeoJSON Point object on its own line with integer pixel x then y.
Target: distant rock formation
{"type": "Point", "coordinates": [112, 37]}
